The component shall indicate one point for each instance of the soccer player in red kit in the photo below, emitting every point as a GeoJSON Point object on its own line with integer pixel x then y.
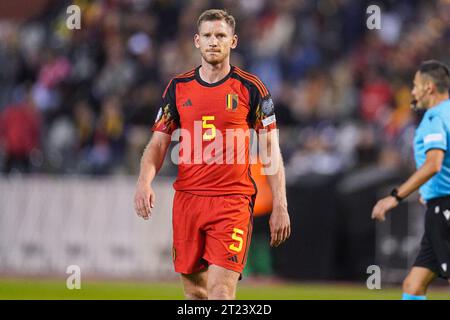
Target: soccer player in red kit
{"type": "Point", "coordinates": [213, 203]}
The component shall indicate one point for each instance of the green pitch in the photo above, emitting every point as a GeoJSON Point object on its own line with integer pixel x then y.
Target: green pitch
{"type": "Point", "coordinates": [56, 289]}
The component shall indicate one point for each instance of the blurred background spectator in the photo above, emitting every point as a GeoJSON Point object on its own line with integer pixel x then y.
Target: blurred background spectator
{"type": "Point", "coordinates": [20, 129]}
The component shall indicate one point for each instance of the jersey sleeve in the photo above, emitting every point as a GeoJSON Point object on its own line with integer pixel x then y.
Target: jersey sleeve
{"type": "Point", "coordinates": [262, 109]}
{"type": "Point", "coordinates": [435, 136]}
{"type": "Point", "coordinates": [168, 118]}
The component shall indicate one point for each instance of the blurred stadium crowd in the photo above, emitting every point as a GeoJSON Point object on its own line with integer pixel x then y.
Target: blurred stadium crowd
{"type": "Point", "coordinates": [83, 101]}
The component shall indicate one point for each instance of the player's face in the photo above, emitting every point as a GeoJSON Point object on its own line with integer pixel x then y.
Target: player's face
{"type": "Point", "coordinates": [421, 91]}
{"type": "Point", "coordinates": [215, 39]}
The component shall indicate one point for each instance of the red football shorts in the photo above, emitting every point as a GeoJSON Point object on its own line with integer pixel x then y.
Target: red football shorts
{"type": "Point", "coordinates": [211, 230]}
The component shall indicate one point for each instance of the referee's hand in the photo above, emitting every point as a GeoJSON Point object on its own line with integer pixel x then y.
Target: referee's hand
{"type": "Point", "coordinates": [382, 207]}
{"type": "Point", "coordinates": [280, 226]}
{"type": "Point", "coordinates": [144, 200]}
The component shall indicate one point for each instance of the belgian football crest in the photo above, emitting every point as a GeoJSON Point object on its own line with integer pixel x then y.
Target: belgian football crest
{"type": "Point", "coordinates": [232, 101]}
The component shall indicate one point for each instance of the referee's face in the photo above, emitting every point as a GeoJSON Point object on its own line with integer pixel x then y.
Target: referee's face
{"type": "Point", "coordinates": [215, 39]}
{"type": "Point", "coordinates": [421, 91]}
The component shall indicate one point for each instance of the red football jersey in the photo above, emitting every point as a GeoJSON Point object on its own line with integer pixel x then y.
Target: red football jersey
{"type": "Point", "coordinates": [215, 121]}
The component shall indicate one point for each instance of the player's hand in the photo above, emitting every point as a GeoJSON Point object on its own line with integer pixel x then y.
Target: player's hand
{"type": "Point", "coordinates": [382, 207]}
{"type": "Point", "coordinates": [144, 200]}
{"type": "Point", "coordinates": [280, 226]}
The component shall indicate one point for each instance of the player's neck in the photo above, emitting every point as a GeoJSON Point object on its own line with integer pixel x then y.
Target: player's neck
{"type": "Point", "coordinates": [214, 73]}
{"type": "Point", "coordinates": [437, 99]}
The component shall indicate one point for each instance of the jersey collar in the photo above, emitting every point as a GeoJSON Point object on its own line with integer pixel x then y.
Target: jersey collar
{"type": "Point", "coordinates": [214, 84]}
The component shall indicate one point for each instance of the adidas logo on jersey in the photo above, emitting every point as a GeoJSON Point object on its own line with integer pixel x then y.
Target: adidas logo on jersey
{"type": "Point", "coordinates": [233, 258]}
{"type": "Point", "coordinates": [188, 103]}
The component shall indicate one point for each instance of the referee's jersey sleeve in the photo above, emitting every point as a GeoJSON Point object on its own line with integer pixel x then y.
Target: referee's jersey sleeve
{"type": "Point", "coordinates": [435, 136]}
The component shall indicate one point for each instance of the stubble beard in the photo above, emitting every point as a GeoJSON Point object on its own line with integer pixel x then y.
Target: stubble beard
{"type": "Point", "coordinates": [423, 104]}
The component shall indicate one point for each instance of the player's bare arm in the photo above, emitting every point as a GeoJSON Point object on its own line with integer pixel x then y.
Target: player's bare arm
{"type": "Point", "coordinates": [151, 162]}
{"type": "Point", "coordinates": [432, 165]}
{"type": "Point", "coordinates": [280, 225]}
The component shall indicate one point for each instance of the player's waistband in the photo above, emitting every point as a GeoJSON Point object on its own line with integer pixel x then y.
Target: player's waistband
{"type": "Point", "coordinates": [440, 200]}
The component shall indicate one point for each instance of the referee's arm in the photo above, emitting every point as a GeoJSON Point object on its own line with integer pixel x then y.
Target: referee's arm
{"type": "Point", "coordinates": [432, 165]}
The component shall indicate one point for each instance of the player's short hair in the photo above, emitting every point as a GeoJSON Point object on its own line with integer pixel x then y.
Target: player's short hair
{"type": "Point", "coordinates": [216, 14]}
{"type": "Point", "coordinates": [438, 73]}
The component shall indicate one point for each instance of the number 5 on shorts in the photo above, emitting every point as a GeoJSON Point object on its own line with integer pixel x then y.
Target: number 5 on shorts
{"type": "Point", "coordinates": [237, 235]}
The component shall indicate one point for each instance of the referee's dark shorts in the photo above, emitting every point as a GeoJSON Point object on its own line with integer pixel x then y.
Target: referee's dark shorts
{"type": "Point", "coordinates": [434, 251]}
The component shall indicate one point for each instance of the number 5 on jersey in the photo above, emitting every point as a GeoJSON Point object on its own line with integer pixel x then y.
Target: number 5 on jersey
{"type": "Point", "coordinates": [208, 135]}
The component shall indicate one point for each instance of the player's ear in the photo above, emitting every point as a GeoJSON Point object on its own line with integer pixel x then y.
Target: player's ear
{"type": "Point", "coordinates": [197, 40]}
{"type": "Point", "coordinates": [234, 41]}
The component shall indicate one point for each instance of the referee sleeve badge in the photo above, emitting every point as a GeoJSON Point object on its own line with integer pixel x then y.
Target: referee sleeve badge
{"type": "Point", "coordinates": [433, 138]}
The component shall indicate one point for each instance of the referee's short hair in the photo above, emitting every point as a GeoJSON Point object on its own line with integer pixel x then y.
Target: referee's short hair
{"type": "Point", "coordinates": [438, 73]}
